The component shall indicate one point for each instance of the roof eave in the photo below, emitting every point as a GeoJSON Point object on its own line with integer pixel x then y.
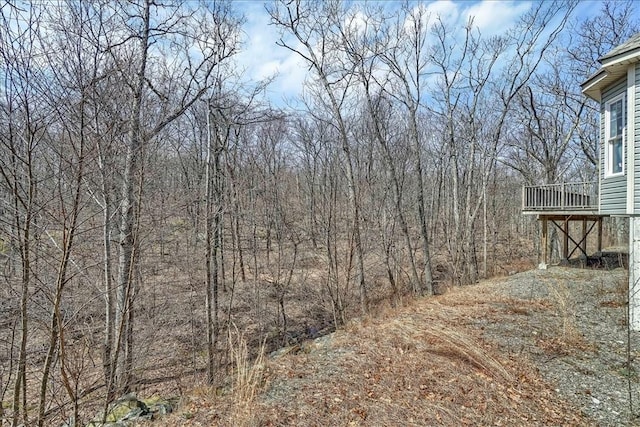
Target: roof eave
{"type": "Point", "coordinates": [614, 66]}
{"type": "Point", "coordinates": [627, 57]}
{"type": "Point", "coordinates": [593, 86]}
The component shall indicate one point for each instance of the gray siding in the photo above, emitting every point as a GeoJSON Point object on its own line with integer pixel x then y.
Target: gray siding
{"type": "Point", "coordinates": [613, 191]}
{"type": "Point", "coordinates": [636, 195]}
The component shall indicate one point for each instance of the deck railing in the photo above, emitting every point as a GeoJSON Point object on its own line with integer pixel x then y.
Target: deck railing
{"type": "Point", "coordinates": [560, 197]}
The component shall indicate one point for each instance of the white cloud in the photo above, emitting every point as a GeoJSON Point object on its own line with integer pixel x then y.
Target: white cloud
{"type": "Point", "coordinates": [293, 72]}
{"type": "Point", "coordinates": [489, 16]}
{"type": "Point", "coordinates": [492, 17]}
{"type": "Point", "coordinates": [446, 10]}
{"type": "Point", "coordinates": [261, 58]}
{"type": "Point", "coordinates": [356, 22]}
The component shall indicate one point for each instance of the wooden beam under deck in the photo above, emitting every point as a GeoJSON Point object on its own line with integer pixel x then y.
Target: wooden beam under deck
{"type": "Point", "coordinates": [561, 221]}
{"type": "Point", "coordinates": [571, 217]}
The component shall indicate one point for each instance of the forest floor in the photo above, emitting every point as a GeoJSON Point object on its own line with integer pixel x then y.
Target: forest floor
{"type": "Point", "coordinates": [542, 347]}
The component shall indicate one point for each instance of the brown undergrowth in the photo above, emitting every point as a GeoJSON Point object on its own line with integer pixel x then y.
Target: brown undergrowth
{"type": "Point", "coordinates": [420, 365]}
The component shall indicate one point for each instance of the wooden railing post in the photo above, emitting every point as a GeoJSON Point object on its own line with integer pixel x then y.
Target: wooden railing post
{"type": "Point", "coordinates": [560, 197]}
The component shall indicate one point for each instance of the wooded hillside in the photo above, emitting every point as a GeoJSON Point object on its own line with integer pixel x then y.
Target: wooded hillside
{"type": "Point", "coordinates": [154, 202]}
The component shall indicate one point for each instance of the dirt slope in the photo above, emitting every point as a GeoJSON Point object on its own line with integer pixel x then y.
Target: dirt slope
{"type": "Point", "coordinates": [536, 348]}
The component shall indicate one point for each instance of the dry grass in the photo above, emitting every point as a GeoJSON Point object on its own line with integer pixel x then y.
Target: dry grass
{"type": "Point", "coordinates": [421, 364]}
{"type": "Point", "coordinates": [566, 337]}
{"type": "Point", "coordinates": [248, 378]}
{"type": "Point", "coordinates": [618, 298]}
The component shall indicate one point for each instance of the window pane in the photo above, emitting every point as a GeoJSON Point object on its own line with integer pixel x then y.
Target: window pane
{"type": "Point", "coordinates": [614, 136]}
{"type": "Point", "coordinates": [616, 155]}
{"type": "Point", "coordinates": [615, 119]}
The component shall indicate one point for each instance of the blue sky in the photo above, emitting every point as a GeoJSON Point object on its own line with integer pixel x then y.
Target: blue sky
{"type": "Point", "coordinates": [262, 58]}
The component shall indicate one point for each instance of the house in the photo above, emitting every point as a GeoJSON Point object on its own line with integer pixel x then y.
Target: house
{"type": "Point", "coordinates": [616, 87]}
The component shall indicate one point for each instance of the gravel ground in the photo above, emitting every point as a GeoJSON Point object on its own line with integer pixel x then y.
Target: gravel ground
{"type": "Point", "coordinates": [569, 323]}
{"type": "Point", "coordinates": [575, 333]}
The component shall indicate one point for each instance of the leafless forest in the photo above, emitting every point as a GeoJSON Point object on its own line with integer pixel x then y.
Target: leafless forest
{"type": "Point", "coordinates": [155, 204]}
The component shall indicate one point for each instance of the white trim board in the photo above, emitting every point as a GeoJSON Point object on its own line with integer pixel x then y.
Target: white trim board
{"type": "Point", "coordinates": [631, 137]}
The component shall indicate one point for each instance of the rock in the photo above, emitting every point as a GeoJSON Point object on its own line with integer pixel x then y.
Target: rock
{"type": "Point", "coordinates": [135, 414]}
{"type": "Point", "coordinates": [71, 422]}
{"type": "Point", "coordinates": [128, 410]}
{"type": "Point", "coordinates": [161, 408]}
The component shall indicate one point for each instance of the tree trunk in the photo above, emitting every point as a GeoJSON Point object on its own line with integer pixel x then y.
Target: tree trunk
{"type": "Point", "coordinates": [128, 211]}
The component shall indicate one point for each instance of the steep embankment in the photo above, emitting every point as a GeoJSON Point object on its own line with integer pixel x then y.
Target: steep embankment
{"type": "Point", "coordinates": [536, 348]}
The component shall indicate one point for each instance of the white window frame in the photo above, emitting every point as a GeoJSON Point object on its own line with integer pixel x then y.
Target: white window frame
{"type": "Point", "coordinates": [609, 141]}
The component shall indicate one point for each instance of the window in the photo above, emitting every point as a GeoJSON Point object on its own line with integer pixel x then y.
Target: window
{"type": "Point", "coordinates": [614, 136]}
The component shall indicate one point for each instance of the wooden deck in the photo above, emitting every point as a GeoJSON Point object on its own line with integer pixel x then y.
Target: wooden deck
{"type": "Point", "coordinates": [560, 205]}
{"type": "Point", "coordinates": [574, 198]}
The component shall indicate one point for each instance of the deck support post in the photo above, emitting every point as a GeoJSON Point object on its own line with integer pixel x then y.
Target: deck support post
{"type": "Point", "coordinates": [565, 241]}
{"type": "Point", "coordinates": [599, 249]}
{"type": "Point", "coordinates": [584, 237]}
{"type": "Point", "coordinates": [563, 225]}
{"type": "Point", "coordinates": [634, 273]}
{"type": "Point", "coordinates": [544, 243]}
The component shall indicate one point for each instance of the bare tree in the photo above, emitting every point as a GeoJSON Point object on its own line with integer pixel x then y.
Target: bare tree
{"type": "Point", "coordinates": [23, 130]}
{"type": "Point", "coordinates": [214, 31]}
{"type": "Point", "coordinates": [364, 63]}
{"type": "Point", "coordinates": [74, 75]}
{"type": "Point", "coordinates": [478, 99]}
{"type": "Point", "coordinates": [322, 183]}
{"type": "Point", "coordinates": [309, 24]}
{"type": "Point", "coordinates": [408, 63]}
